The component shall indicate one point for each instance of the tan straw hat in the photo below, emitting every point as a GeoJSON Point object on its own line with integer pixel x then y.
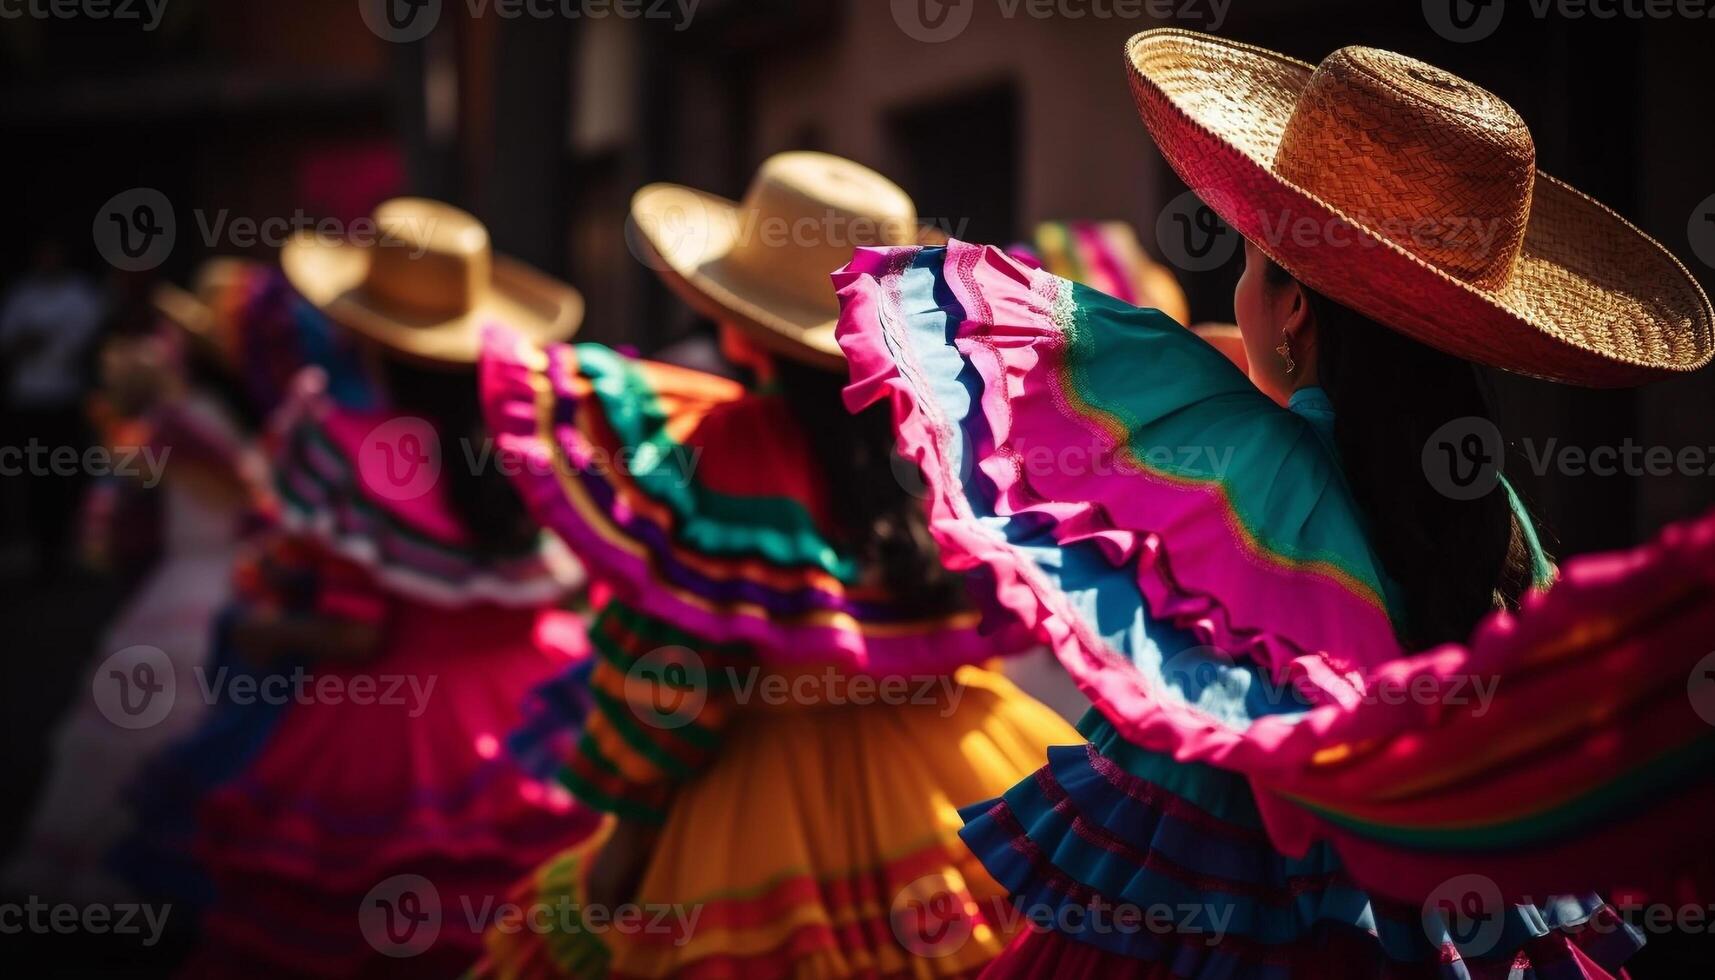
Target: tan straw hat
{"type": "Point", "coordinates": [425, 282]}
{"type": "Point", "coordinates": [763, 264]}
{"type": "Point", "coordinates": [196, 310]}
{"type": "Point", "coordinates": [1412, 196]}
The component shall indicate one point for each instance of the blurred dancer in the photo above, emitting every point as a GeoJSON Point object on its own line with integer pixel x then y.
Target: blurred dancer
{"type": "Point", "coordinates": [49, 324]}
{"type": "Point", "coordinates": [1105, 256]}
{"type": "Point", "coordinates": [349, 777]}
{"type": "Point", "coordinates": [786, 707]}
{"type": "Point", "coordinates": [1277, 782]}
{"type": "Point", "coordinates": [185, 451]}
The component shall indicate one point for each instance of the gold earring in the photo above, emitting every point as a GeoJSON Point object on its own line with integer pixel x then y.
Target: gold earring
{"type": "Point", "coordinates": [1285, 350]}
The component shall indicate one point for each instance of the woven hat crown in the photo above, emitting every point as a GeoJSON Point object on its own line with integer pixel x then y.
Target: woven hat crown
{"type": "Point", "coordinates": [804, 214]}
{"type": "Point", "coordinates": [430, 260]}
{"type": "Point", "coordinates": [1413, 154]}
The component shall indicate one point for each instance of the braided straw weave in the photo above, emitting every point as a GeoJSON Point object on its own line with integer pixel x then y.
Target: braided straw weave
{"type": "Point", "coordinates": [1413, 197]}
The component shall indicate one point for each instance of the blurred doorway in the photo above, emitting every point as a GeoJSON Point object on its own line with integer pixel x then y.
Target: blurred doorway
{"type": "Point", "coordinates": [979, 203]}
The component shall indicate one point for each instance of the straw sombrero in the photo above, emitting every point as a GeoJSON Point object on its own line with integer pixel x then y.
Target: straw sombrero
{"type": "Point", "coordinates": [1412, 196]}
{"type": "Point", "coordinates": [205, 310]}
{"type": "Point", "coordinates": [763, 264]}
{"type": "Point", "coordinates": [426, 282]}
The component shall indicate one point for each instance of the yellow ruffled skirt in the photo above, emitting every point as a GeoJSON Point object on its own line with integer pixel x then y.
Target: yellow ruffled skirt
{"type": "Point", "coordinates": [822, 843]}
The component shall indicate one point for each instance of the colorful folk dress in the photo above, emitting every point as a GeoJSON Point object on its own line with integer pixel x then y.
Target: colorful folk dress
{"type": "Point", "coordinates": [1269, 786]}
{"type": "Point", "coordinates": [801, 738]}
{"type": "Point", "coordinates": [354, 819]}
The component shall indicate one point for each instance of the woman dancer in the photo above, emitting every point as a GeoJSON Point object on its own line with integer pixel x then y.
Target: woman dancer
{"type": "Point", "coordinates": [1276, 782]}
{"type": "Point", "coordinates": [192, 459]}
{"type": "Point", "coordinates": [787, 706]}
{"type": "Point", "coordinates": [392, 625]}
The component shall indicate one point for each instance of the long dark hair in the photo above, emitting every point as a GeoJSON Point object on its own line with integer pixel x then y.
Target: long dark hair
{"type": "Point", "coordinates": [876, 519]}
{"type": "Point", "coordinates": [481, 496]}
{"type": "Point", "coordinates": [1454, 560]}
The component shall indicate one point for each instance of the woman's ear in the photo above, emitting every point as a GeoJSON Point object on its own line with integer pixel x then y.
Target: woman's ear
{"type": "Point", "coordinates": [1300, 331]}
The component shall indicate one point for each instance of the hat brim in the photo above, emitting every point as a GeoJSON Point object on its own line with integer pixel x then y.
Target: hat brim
{"type": "Point", "coordinates": [687, 236]}
{"type": "Point", "coordinates": [1591, 300]}
{"type": "Point", "coordinates": [194, 310]}
{"type": "Point", "coordinates": [183, 309]}
{"type": "Point", "coordinates": [330, 273]}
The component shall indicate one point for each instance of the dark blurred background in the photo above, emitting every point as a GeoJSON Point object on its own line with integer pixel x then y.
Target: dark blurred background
{"type": "Point", "coordinates": [544, 126]}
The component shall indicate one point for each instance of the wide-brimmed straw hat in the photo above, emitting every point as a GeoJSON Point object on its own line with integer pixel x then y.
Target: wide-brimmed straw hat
{"type": "Point", "coordinates": [198, 310]}
{"type": "Point", "coordinates": [426, 281]}
{"type": "Point", "coordinates": [1412, 196]}
{"type": "Point", "coordinates": [763, 264]}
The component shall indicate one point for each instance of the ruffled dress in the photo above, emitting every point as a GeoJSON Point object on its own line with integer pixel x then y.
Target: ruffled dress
{"type": "Point", "coordinates": [802, 739]}
{"type": "Point", "coordinates": [346, 819]}
{"type": "Point", "coordinates": [1269, 786]}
